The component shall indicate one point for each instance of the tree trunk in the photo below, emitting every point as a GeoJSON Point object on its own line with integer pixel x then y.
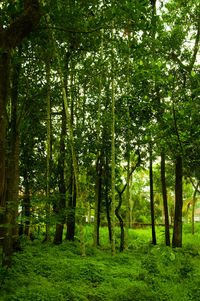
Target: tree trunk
{"type": "Point", "coordinates": [113, 158]}
{"type": "Point", "coordinates": [121, 223]}
{"type": "Point", "coordinates": [152, 197]}
{"type": "Point", "coordinates": [165, 205]}
{"type": "Point", "coordinates": [127, 224]}
{"type": "Point", "coordinates": [97, 202]}
{"type": "Point", "coordinates": [48, 144]}
{"type": "Point", "coordinates": [71, 214]}
{"type": "Point", "coordinates": [60, 207]}
{"type": "Point", "coordinates": [11, 229]}
{"type": "Point", "coordinates": [9, 38]}
{"type": "Point", "coordinates": [4, 83]}
{"type": "Point", "coordinates": [27, 205]}
{"type": "Point", "coordinates": [177, 233]}
{"type": "Point", "coordinates": [193, 210]}
{"type": "Point", "coordinates": [98, 164]}
{"type": "Point", "coordinates": [193, 206]}
{"type": "Point", "coordinates": [131, 206]}
{"type": "Point", "coordinates": [107, 199]}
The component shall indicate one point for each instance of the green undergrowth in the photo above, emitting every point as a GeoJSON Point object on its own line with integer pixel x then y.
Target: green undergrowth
{"type": "Point", "coordinates": [45, 272]}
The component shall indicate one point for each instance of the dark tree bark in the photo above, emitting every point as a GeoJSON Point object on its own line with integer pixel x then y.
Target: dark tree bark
{"type": "Point", "coordinates": [12, 178]}
{"type": "Point", "coordinates": [71, 215]}
{"type": "Point", "coordinates": [177, 233]}
{"type": "Point", "coordinates": [152, 197]}
{"type": "Point", "coordinates": [9, 38]}
{"type": "Point", "coordinates": [165, 205]}
{"type": "Point", "coordinates": [121, 223]}
{"type": "Point", "coordinates": [4, 85]}
{"type": "Point", "coordinates": [60, 207]}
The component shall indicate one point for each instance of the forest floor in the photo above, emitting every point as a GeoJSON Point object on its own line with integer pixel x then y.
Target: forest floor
{"type": "Point", "coordinates": [45, 272]}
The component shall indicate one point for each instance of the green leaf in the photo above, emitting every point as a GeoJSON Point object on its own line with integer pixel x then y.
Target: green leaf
{"type": "Point", "coordinates": [192, 73]}
{"type": "Point", "coordinates": [159, 64]}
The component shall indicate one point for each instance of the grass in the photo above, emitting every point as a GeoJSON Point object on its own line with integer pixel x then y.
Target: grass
{"type": "Point", "coordinates": [44, 272]}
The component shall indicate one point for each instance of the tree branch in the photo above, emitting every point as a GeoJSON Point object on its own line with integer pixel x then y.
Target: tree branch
{"type": "Point", "coordinates": [132, 170]}
{"type": "Point", "coordinates": [22, 26]}
{"type": "Point", "coordinates": [71, 30]}
{"type": "Point", "coordinates": [195, 51]}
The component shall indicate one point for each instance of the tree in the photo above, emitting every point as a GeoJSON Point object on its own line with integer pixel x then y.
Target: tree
{"type": "Point", "coordinates": [9, 39]}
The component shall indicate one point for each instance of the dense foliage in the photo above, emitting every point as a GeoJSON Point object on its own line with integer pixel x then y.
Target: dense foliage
{"type": "Point", "coordinates": [99, 125]}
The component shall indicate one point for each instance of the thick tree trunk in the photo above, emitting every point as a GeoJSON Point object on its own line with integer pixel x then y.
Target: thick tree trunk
{"type": "Point", "coordinates": [11, 229]}
{"type": "Point", "coordinates": [9, 38]}
{"type": "Point", "coordinates": [4, 83]}
{"type": "Point", "coordinates": [165, 205]}
{"type": "Point", "coordinates": [62, 187]}
{"type": "Point", "coordinates": [152, 197]}
{"type": "Point", "coordinates": [177, 233]}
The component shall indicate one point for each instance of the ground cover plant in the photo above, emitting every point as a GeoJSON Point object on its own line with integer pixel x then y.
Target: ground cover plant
{"type": "Point", "coordinates": [43, 272]}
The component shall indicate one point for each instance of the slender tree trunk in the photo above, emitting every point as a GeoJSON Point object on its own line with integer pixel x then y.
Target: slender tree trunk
{"type": "Point", "coordinates": [48, 177]}
{"type": "Point", "coordinates": [60, 207]}
{"type": "Point", "coordinates": [71, 215]}
{"type": "Point", "coordinates": [96, 209]}
{"type": "Point", "coordinates": [27, 205]}
{"type": "Point", "coordinates": [121, 223]}
{"type": "Point", "coordinates": [131, 206]}
{"type": "Point", "coordinates": [89, 213]}
{"type": "Point", "coordinates": [152, 197]}
{"type": "Point", "coordinates": [113, 159]}
{"type": "Point", "coordinates": [98, 165]}
{"type": "Point", "coordinates": [193, 209]}
{"type": "Point", "coordinates": [70, 212]}
{"type": "Point", "coordinates": [165, 205]}
{"type": "Point", "coordinates": [193, 205]}
{"type": "Point", "coordinates": [127, 224]}
{"type": "Point", "coordinates": [97, 202]}
{"type": "Point", "coordinates": [177, 233]}
{"type": "Point", "coordinates": [107, 199]}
